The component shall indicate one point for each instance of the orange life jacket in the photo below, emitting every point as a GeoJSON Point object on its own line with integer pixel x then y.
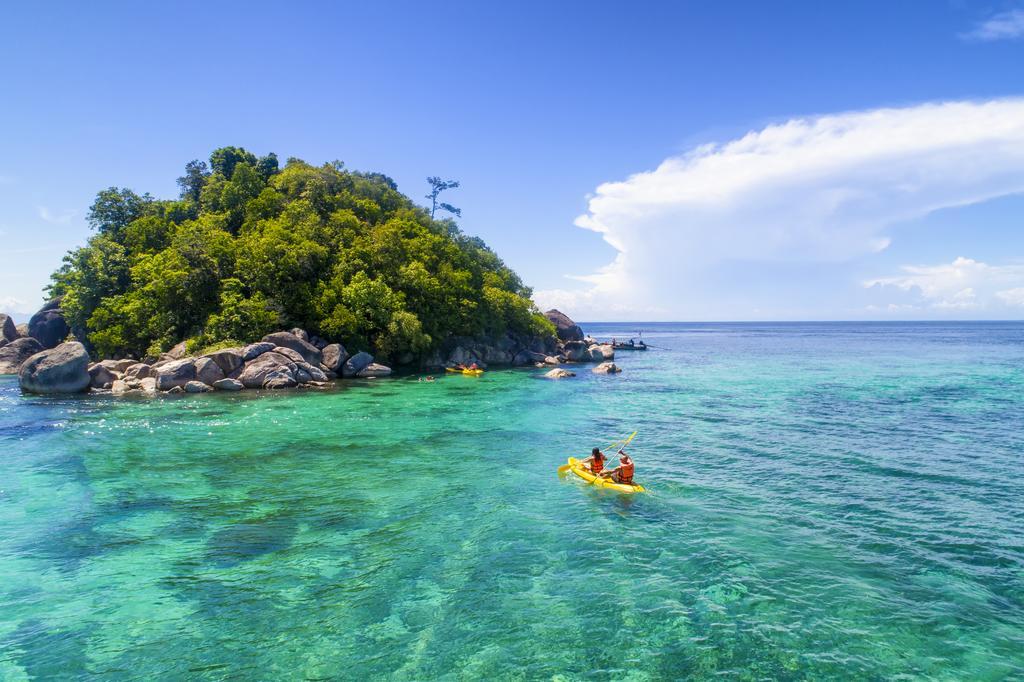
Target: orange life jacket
{"type": "Point", "coordinates": [626, 472]}
{"type": "Point", "coordinates": [597, 464]}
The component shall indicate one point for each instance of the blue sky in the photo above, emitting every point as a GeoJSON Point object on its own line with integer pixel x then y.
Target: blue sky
{"type": "Point", "coordinates": [535, 106]}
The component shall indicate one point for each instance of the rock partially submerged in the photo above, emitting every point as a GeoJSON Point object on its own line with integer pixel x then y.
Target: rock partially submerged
{"type": "Point", "coordinates": [356, 364]}
{"type": "Point", "coordinates": [175, 373]}
{"type": "Point", "coordinates": [559, 374]}
{"type": "Point", "coordinates": [63, 369]}
{"type": "Point", "coordinates": [606, 368]}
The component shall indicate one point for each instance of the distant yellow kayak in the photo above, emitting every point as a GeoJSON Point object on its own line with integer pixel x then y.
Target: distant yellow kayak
{"type": "Point", "coordinates": [470, 372]}
{"type": "Point", "coordinates": [583, 472]}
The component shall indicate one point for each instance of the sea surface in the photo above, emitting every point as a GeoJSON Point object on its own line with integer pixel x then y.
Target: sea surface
{"type": "Point", "coordinates": [826, 501]}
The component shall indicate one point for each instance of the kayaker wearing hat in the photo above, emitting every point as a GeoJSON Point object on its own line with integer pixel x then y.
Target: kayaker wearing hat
{"type": "Point", "coordinates": [596, 461]}
{"type": "Point", "coordinates": [622, 473]}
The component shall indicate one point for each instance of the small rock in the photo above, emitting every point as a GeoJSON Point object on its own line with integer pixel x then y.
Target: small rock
{"type": "Point", "coordinates": [228, 385]}
{"type": "Point", "coordinates": [551, 360]}
{"type": "Point", "coordinates": [140, 370]}
{"type": "Point", "coordinates": [374, 371]}
{"type": "Point", "coordinates": [606, 368]}
{"type": "Point", "coordinates": [356, 364]}
{"type": "Point", "coordinates": [559, 374]}
{"type": "Point", "coordinates": [197, 387]}
{"type": "Point", "coordinates": [301, 333]}
{"type": "Point", "coordinates": [120, 387]}
{"type": "Point", "coordinates": [175, 389]}
{"type": "Point", "coordinates": [148, 384]}
{"type": "Point", "coordinates": [101, 376]}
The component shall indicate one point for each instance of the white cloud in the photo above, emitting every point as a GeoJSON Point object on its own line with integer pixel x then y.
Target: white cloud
{"type": "Point", "coordinates": [963, 285]}
{"type": "Point", "coordinates": [1002, 26]}
{"type": "Point", "coordinates": [12, 305]}
{"type": "Point", "coordinates": [62, 218]}
{"type": "Point", "coordinates": [810, 190]}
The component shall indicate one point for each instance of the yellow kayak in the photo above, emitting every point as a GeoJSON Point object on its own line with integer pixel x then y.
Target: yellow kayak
{"type": "Point", "coordinates": [470, 372]}
{"type": "Point", "coordinates": [588, 476]}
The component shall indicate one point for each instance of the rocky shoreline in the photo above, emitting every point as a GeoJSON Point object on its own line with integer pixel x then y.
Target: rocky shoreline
{"type": "Point", "coordinates": [46, 363]}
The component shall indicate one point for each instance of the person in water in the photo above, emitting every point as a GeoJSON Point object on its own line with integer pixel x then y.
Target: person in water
{"type": "Point", "coordinates": [596, 461]}
{"type": "Point", "coordinates": [622, 473]}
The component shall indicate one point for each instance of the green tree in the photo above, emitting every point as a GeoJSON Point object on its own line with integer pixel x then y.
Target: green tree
{"type": "Point", "coordinates": [437, 185]}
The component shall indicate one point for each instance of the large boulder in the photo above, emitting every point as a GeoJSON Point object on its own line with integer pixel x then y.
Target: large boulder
{"type": "Point", "coordinates": [528, 357]}
{"type": "Point", "coordinates": [309, 352]}
{"type": "Point", "coordinates": [15, 353]}
{"type": "Point", "coordinates": [48, 326]}
{"type": "Point", "coordinates": [374, 370]}
{"type": "Point", "coordinates": [267, 367]}
{"type": "Point", "coordinates": [601, 352]}
{"type": "Point", "coordinates": [196, 387]}
{"type": "Point", "coordinates": [356, 364]}
{"type": "Point", "coordinates": [293, 355]}
{"type": "Point", "coordinates": [334, 356]}
{"type": "Point", "coordinates": [228, 359]}
{"type": "Point", "coordinates": [175, 373]}
{"type": "Point", "coordinates": [101, 376]}
{"type": "Point", "coordinates": [8, 330]}
{"type": "Point", "coordinates": [208, 371]}
{"type": "Point", "coordinates": [566, 329]}
{"type": "Point", "coordinates": [63, 369]}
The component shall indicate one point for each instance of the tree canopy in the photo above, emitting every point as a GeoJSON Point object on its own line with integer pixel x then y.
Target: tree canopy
{"type": "Point", "coordinates": [250, 247]}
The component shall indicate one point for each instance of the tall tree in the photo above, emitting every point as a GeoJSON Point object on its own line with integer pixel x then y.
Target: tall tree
{"type": "Point", "coordinates": [191, 183]}
{"type": "Point", "coordinates": [437, 185]}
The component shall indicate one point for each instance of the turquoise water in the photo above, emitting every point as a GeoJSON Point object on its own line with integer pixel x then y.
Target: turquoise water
{"type": "Point", "coordinates": [828, 500]}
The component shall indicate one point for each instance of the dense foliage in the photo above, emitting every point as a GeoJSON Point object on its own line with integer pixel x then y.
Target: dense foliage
{"type": "Point", "coordinates": [249, 248]}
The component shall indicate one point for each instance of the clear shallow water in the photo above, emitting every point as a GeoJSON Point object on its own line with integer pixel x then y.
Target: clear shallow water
{"type": "Point", "coordinates": [827, 500]}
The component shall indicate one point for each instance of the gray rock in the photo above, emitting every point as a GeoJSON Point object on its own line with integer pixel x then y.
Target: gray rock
{"type": "Point", "coordinates": [148, 384]}
{"type": "Point", "coordinates": [254, 350]}
{"type": "Point", "coordinates": [315, 373]}
{"type": "Point", "coordinates": [606, 368]}
{"type": "Point", "coordinates": [101, 376]}
{"type": "Point", "coordinates": [576, 351]}
{"type": "Point", "coordinates": [280, 379]}
{"type": "Point", "coordinates": [177, 352]}
{"type": "Point", "coordinates": [293, 355]}
{"type": "Point", "coordinates": [228, 385]}
{"type": "Point", "coordinates": [48, 326]}
{"type": "Point", "coordinates": [119, 387]}
{"type": "Point", "coordinates": [301, 333]}
{"type": "Point", "coordinates": [64, 369]}
{"type": "Point", "coordinates": [356, 364]}
{"type": "Point", "coordinates": [309, 352]}
{"type": "Point", "coordinates": [8, 330]}
{"type": "Point", "coordinates": [595, 353]}
{"type": "Point", "coordinates": [302, 376]}
{"type": "Point", "coordinates": [22, 330]}
{"type": "Point", "coordinates": [373, 371]}
{"type": "Point", "coordinates": [334, 356]}
{"type": "Point", "coordinates": [265, 367]}
{"type": "Point", "coordinates": [318, 342]}
{"type": "Point", "coordinates": [552, 360]}
{"type": "Point", "coordinates": [566, 329]}
{"type": "Point", "coordinates": [208, 371]}
{"type": "Point", "coordinates": [175, 373]}
{"type": "Point", "coordinates": [16, 352]}
{"type": "Point", "coordinates": [118, 366]}
{"type": "Point", "coordinates": [228, 359]}
{"type": "Point", "coordinates": [140, 370]}
{"type": "Point", "coordinates": [528, 357]}
{"type": "Point", "coordinates": [197, 387]}
{"type": "Point", "coordinates": [175, 389]}
{"type": "Point", "coordinates": [558, 373]}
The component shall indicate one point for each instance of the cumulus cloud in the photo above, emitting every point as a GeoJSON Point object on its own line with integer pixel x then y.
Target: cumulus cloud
{"type": "Point", "coordinates": [826, 189]}
{"type": "Point", "coordinates": [56, 217]}
{"type": "Point", "coordinates": [963, 285]}
{"type": "Point", "coordinates": [1002, 26]}
{"type": "Point", "coordinates": [13, 305]}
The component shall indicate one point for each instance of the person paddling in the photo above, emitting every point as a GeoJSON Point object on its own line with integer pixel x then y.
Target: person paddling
{"type": "Point", "coordinates": [622, 473]}
{"type": "Point", "coordinates": [596, 461]}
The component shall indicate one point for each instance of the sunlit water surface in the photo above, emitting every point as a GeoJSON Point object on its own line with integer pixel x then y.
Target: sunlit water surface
{"type": "Point", "coordinates": [826, 500]}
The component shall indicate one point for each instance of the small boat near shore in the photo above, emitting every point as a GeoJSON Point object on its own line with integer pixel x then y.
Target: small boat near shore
{"type": "Point", "coordinates": [468, 372]}
{"type": "Point", "coordinates": [619, 345]}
